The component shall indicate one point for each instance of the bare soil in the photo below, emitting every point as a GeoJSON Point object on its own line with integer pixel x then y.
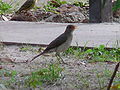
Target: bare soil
{"type": "Point", "coordinates": [78, 75]}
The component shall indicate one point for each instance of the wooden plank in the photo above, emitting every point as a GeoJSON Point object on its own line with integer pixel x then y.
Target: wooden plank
{"type": "Point", "coordinates": [100, 11]}
{"type": "Point", "coordinates": [106, 14]}
{"type": "Point", "coordinates": [95, 11]}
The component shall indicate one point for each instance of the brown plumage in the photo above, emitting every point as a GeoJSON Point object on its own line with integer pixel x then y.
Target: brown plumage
{"type": "Point", "coordinates": [61, 43]}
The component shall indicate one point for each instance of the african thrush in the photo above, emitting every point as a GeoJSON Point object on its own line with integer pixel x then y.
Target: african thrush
{"type": "Point", "coordinates": [61, 43]}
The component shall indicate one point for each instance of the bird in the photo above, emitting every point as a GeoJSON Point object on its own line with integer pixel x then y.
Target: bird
{"type": "Point", "coordinates": [29, 4]}
{"type": "Point", "coordinates": [60, 44]}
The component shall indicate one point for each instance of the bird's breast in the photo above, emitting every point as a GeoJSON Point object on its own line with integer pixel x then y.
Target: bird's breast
{"type": "Point", "coordinates": [65, 45]}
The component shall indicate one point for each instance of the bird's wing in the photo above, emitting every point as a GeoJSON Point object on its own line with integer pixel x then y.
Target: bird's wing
{"type": "Point", "coordinates": [57, 42]}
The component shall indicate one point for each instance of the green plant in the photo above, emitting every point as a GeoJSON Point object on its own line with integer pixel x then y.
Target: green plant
{"type": "Point", "coordinates": [25, 48]}
{"type": "Point", "coordinates": [116, 83]}
{"type": "Point", "coordinates": [75, 51]}
{"type": "Point", "coordinates": [99, 53]}
{"type": "Point", "coordinates": [49, 8]}
{"type": "Point", "coordinates": [103, 78]}
{"type": "Point", "coordinates": [102, 54]}
{"type": "Point", "coordinates": [116, 87]}
{"type": "Point", "coordinates": [84, 80]}
{"type": "Point", "coordinates": [56, 3]}
{"type": "Point", "coordinates": [7, 73]}
{"type": "Point", "coordinates": [52, 5]}
{"type": "Point", "coordinates": [11, 75]}
{"type": "Point", "coordinates": [46, 75]}
{"type": "Point", "coordinates": [117, 5]}
{"type": "Point", "coordinates": [4, 7]}
{"type": "Point", "coordinates": [80, 4]}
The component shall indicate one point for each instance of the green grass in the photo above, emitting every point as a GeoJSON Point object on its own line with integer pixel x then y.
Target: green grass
{"type": "Point", "coordinates": [8, 77]}
{"type": "Point", "coordinates": [46, 76]}
{"type": "Point", "coordinates": [25, 48]}
{"type": "Point", "coordinates": [97, 54]}
{"type": "Point", "coordinates": [103, 79]}
{"type": "Point", "coordinates": [4, 7]}
{"type": "Point", "coordinates": [53, 4]}
{"type": "Point", "coordinates": [116, 6]}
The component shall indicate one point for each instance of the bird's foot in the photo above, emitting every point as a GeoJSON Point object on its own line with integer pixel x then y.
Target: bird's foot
{"type": "Point", "coordinates": [62, 62]}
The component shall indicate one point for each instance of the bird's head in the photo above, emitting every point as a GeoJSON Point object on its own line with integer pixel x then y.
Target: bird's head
{"type": "Point", "coordinates": [70, 28]}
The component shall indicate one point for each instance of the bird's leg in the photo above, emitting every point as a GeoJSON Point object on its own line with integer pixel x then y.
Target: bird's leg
{"type": "Point", "coordinates": [60, 58]}
{"type": "Point", "coordinates": [57, 57]}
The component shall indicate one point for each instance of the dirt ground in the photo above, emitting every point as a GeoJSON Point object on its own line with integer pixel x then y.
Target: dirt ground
{"type": "Point", "coordinates": [78, 75]}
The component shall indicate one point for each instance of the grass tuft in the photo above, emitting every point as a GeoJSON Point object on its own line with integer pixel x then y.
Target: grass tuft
{"type": "Point", "coordinates": [97, 54]}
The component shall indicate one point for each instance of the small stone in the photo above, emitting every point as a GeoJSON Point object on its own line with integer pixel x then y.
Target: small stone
{"type": "Point", "coordinates": [67, 8]}
{"type": "Point", "coordinates": [73, 17]}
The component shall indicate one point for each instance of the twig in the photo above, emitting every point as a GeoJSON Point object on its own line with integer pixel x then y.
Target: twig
{"type": "Point", "coordinates": [113, 76]}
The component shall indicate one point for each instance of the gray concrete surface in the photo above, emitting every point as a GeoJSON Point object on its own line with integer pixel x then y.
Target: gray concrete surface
{"type": "Point", "coordinates": [43, 33]}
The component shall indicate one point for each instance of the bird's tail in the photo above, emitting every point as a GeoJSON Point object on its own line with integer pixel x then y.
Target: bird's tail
{"type": "Point", "coordinates": [36, 56]}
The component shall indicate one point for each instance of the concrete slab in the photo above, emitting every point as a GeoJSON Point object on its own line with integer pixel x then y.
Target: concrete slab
{"type": "Point", "coordinates": [43, 33]}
